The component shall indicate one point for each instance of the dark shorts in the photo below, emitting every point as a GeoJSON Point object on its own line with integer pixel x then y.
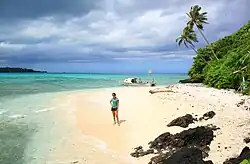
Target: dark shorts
{"type": "Point", "coordinates": [113, 109]}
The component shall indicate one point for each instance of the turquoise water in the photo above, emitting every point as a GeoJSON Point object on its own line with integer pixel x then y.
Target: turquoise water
{"type": "Point", "coordinates": [28, 128]}
{"type": "Point", "coordinates": [24, 83]}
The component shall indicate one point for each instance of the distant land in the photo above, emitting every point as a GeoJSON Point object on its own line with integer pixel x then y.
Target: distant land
{"type": "Point", "coordinates": [18, 70]}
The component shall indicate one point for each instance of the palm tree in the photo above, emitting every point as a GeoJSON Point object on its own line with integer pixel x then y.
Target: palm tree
{"type": "Point", "coordinates": [198, 19]}
{"type": "Point", "coordinates": [187, 38]}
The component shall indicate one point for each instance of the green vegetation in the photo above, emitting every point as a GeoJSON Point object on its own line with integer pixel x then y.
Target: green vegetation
{"type": "Point", "coordinates": [224, 63]}
{"type": "Point", "coordinates": [198, 19]}
{"type": "Point", "coordinates": [245, 161]}
{"type": "Point", "coordinates": [187, 38]}
{"type": "Point", "coordinates": [13, 70]}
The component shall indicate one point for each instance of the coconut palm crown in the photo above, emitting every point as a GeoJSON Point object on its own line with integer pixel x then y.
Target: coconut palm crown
{"type": "Point", "coordinates": [198, 19]}
{"type": "Point", "coordinates": [187, 38]}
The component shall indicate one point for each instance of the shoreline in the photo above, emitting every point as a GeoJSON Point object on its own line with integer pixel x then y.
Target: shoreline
{"type": "Point", "coordinates": [85, 123]}
{"type": "Point", "coordinates": [71, 91]}
{"type": "Point", "coordinates": [146, 115]}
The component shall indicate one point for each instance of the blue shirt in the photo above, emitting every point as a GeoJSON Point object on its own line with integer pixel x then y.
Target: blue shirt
{"type": "Point", "coordinates": [114, 102]}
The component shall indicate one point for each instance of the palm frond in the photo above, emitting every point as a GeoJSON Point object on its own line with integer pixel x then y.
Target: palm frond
{"type": "Point", "coordinates": [179, 43]}
{"type": "Point", "coordinates": [177, 39]}
{"type": "Point", "coordinates": [185, 44]}
{"type": "Point", "coordinates": [190, 43]}
{"type": "Point", "coordinates": [188, 14]}
{"type": "Point", "coordinates": [204, 14]}
{"type": "Point", "coordinates": [203, 22]}
{"type": "Point", "coordinates": [199, 26]}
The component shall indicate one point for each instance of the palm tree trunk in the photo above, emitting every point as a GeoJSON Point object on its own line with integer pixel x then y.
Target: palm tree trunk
{"type": "Point", "coordinates": [197, 52]}
{"type": "Point", "coordinates": [194, 50]}
{"type": "Point", "coordinates": [207, 42]}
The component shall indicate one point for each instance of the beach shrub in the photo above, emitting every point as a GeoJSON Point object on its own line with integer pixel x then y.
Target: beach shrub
{"type": "Point", "coordinates": [220, 74]}
{"type": "Point", "coordinates": [231, 51]}
{"type": "Point", "coordinates": [245, 161]}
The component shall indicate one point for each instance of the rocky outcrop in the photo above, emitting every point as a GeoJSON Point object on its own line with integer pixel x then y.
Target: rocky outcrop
{"type": "Point", "coordinates": [187, 156]}
{"type": "Point", "coordinates": [166, 145]}
{"type": "Point", "coordinates": [208, 115]}
{"type": "Point", "coordinates": [183, 121]}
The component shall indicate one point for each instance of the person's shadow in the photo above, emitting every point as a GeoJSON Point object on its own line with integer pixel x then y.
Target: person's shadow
{"type": "Point", "coordinates": [122, 121]}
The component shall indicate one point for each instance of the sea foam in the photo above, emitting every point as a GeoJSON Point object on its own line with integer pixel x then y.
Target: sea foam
{"type": "Point", "coordinates": [17, 116]}
{"type": "Point", "coordinates": [44, 110]}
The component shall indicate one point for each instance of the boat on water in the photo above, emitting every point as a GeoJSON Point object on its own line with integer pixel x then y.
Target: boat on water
{"type": "Point", "coordinates": [134, 81]}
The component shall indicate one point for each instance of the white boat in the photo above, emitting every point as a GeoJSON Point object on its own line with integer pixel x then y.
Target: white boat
{"type": "Point", "coordinates": [133, 81]}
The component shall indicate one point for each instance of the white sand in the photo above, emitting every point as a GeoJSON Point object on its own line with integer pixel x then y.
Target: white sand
{"type": "Point", "coordinates": [144, 117]}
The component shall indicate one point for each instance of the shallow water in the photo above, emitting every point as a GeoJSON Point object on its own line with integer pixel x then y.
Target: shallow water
{"type": "Point", "coordinates": [24, 83]}
{"type": "Point", "coordinates": [31, 115]}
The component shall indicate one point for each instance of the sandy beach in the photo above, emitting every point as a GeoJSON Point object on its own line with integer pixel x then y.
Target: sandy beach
{"type": "Point", "coordinates": [144, 116]}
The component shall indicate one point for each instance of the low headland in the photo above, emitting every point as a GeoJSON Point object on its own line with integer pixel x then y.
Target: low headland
{"type": "Point", "coordinates": [19, 70]}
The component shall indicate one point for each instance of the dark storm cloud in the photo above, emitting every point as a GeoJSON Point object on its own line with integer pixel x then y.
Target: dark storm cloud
{"type": "Point", "coordinates": [32, 9]}
{"type": "Point", "coordinates": [82, 31]}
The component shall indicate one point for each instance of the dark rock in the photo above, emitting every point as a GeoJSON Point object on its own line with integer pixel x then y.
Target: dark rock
{"type": "Point", "coordinates": [185, 142]}
{"type": "Point", "coordinates": [190, 81]}
{"type": "Point", "coordinates": [150, 151]}
{"type": "Point", "coordinates": [143, 153]}
{"type": "Point", "coordinates": [186, 156]}
{"type": "Point", "coordinates": [246, 108]}
{"type": "Point", "coordinates": [158, 159]}
{"type": "Point", "coordinates": [206, 149]}
{"type": "Point", "coordinates": [204, 154]}
{"type": "Point", "coordinates": [209, 114]}
{"type": "Point", "coordinates": [140, 151]}
{"type": "Point", "coordinates": [135, 154]}
{"type": "Point", "coordinates": [209, 162]}
{"type": "Point", "coordinates": [201, 118]}
{"type": "Point", "coordinates": [138, 148]}
{"type": "Point", "coordinates": [183, 121]}
{"type": "Point", "coordinates": [242, 101]}
{"type": "Point", "coordinates": [247, 140]}
{"type": "Point", "coordinates": [245, 154]}
{"type": "Point", "coordinates": [199, 136]}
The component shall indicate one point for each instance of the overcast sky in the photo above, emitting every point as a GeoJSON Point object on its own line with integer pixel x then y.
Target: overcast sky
{"type": "Point", "coordinates": [108, 35]}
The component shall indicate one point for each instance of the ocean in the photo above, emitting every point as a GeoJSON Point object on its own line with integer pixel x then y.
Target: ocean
{"type": "Point", "coordinates": [28, 128]}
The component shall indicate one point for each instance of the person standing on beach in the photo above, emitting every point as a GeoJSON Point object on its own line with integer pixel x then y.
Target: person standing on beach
{"type": "Point", "coordinates": [114, 108]}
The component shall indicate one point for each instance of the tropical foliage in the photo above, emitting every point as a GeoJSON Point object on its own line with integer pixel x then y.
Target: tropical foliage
{"type": "Point", "coordinates": [222, 64]}
{"type": "Point", "coordinates": [187, 38]}
{"type": "Point", "coordinates": [245, 161]}
{"type": "Point", "coordinates": [10, 70]}
{"type": "Point", "coordinates": [234, 54]}
{"type": "Point", "coordinates": [198, 18]}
